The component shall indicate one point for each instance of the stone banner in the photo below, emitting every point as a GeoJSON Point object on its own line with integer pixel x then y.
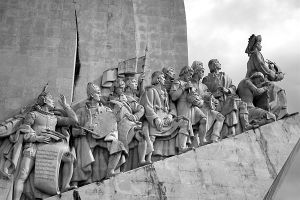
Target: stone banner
{"type": "Point", "coordinates": [47, 164]}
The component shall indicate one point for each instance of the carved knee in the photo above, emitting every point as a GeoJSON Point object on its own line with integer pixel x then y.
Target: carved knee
{"type": "Point", "coordinates": [68, 158]}
{"type": "Point", "coordinates": [203, 120]}
{"type": "Point", "coordinates": [220, 117]}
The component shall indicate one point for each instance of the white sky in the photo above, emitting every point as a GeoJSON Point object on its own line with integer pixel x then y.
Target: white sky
{"type": "Point", "coordinates": [221, 28]}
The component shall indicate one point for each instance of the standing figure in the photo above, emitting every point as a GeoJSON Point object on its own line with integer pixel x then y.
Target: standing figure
{"type": "Point", "coordinates": [169, 74]}
{"type": "Point", "coordinates": [252, 87]}
{"type": "Point", "coordinates": [38, 129]}
{"type": "Point", "coordinates": [188, 102]}
{"type": "Point", "coordinates": [129, 112]}
{"type": "Point", "coordinates": [214, 118]}
{"type": "Point", "coordinates": [161, 120]}
{"type": "Point", "coordinates": [256, 63]}
{"type": "Point", "coordinates": [229, 104]}
{"type": "Point", "coordinates": [99, 152]}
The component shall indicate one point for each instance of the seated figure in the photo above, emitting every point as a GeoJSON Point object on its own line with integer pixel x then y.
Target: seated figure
{"type": "Point", "coordinates": [39, 131]}
{"type": "Point", "coordinates": [215, 119]}
{"type": "Point", "coordinates": [98, 149]}
{"type": "Point", "coordinates": [248, 89]}
{"type": "Point", "coordinates": [256, 63]}
{"type": "Point", "coordinates": [129, 112]}
{"type": "Point", "coordinates": [229, 104]}
{"type": "Point", "coordinates": [161, 122]}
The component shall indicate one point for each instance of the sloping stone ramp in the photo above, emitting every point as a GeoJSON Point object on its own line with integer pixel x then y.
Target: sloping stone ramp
{"type": "Point", "coordinates": [238, 168]}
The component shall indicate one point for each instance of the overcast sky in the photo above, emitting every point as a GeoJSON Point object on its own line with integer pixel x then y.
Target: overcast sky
{"type": "Point", "coordinates": [221, 28]}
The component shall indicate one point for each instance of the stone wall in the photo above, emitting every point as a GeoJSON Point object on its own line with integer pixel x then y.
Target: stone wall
{"type": "Point", "coordinates": [106, 36]}
{"type": "Point", "coordinates": [161, 25]}
{"type": "Point", "coordinates": [242, 168]}
{"type": "Point", "coordinates": [37, 45]}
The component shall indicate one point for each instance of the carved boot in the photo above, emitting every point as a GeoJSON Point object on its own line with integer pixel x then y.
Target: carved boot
{"type": "Point", "coordinates": [112, 164]}
{"type": "Point", "coordinates": [215, 136]}
{"type": "Point", "coordinates": [182, 143]}
{"type": "Point", "coordinates": [202, 133]}
{"type": "Point", "coordinates": [245, 123]}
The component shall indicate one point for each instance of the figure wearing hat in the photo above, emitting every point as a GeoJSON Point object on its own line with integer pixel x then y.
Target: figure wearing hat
{"type": "Point", "coordinates": [99, 152]}
{"type": "Point", "coordinates": [271, 71]}
{"type": "Point", "coordinates": [38, 129]}
{"type": "Point", "coordinates": [252, 87]}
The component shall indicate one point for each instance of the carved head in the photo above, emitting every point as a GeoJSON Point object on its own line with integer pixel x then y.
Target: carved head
{"type": "Point", "coordinates": [186, 73]}
{"type": "Point", "coordinates": [198, 68]}
{"type": "Point", "coordinates": [93, 91]}
{"type": "Point", "coordinates": [169, 72]}
{"type": "Point", "coordinates": [158, 78]}
{"type": "Point", "coordinates": [214, 65]}
{"type": "Point", "coordinates": [119, 86]}
{"type": "Point", "coordinates": [254, 42]}
{"type": "Point", "coordinates": [131, 83]}
{"type": "Point", "coordinates": [45, 98]}
{"type": "Point", "coordinates": [257, 78]}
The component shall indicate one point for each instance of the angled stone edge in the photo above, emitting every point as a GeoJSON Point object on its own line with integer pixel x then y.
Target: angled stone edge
{"type": "Point", "coordinates": [241, 167]}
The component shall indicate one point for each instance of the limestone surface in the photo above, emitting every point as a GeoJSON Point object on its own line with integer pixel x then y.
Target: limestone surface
{"type": "Point", "coordinates": [242, 167]}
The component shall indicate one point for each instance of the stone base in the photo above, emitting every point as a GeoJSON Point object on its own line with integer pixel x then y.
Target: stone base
{"type": "Point", "coordinates": [242, 167]}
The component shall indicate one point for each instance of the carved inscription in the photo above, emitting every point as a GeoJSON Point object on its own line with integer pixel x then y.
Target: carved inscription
{"type": "Point", "coordinates": [47, 165]}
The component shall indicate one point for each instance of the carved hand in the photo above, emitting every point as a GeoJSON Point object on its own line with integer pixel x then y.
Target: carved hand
{"type": "Point", "coordinates": [224, 90]}
{"type": "Point", "coordinates": [188, 85]}
{"type": "Point", "coordinates": [141, 77]}
{"type": "Point", "coordinates": [63, 101]}
{"type": "Point", "coordinates": [131, 117]}
{"type": "Point", "coordinates": [158, 124]}
{"type": "Point", "coordinates": [43, 139]}
{"type": "Point", "coordinates": [261, 90]}
{"type": "Point", "coordinates": [279, 76]}
{"type": "Point", "coordinates": [168, 119]}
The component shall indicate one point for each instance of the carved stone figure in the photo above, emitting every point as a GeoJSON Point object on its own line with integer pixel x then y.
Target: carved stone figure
{"type": "Point", "coordinates": [161, 120]}
{"type": "Point", "coordinates": [99, 152]}
{"type": "Point", "coordinates": [129, 112]}
{"type": "Point", "coordinates": [169, 74]}
{"type": "Point", "coordinates": [229, 104]}
{"type": "Point", "coordinates": [252, 87]}
{"type": "Point", "coordinates": [214, 118]}
{"type": "Point", "coordinates": [257, 63]}
{"type": "Point", "coordinates": [188, 102]}
{"type": "Point", "coordinates": [39, 132]}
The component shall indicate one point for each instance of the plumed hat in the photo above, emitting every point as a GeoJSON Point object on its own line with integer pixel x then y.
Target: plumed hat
{"type": "Point", "coordinates": [252, 42]}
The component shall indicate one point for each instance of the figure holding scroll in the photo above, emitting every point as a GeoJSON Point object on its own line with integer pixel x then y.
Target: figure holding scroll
{"type": "Point", "coordinates": [39, 129]}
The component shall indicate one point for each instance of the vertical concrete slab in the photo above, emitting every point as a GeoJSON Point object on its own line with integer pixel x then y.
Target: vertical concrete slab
{"type": "Point", "coordinates": [106, 37]}
{"type": "Point", "coordinates": [161, 24]}
{"type": "Point", "coordinates": [37, 45]}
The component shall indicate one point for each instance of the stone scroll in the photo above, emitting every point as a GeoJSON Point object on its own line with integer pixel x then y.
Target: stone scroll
{"type": "Point", "coordinates": [47, 164]}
